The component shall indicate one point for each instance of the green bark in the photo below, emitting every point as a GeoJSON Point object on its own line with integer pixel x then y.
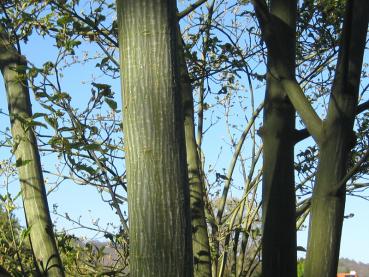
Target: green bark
{"type": "Point", "coordinates": [28, 161]}
{"type": "Point", "coordinates": [328, 202]}
{"type": "Point", "coordinates": [200, 238]}
{"type": "Point", "coordinates": [279, 220]}
{"type": "Point", "coordinates": [158, 196]}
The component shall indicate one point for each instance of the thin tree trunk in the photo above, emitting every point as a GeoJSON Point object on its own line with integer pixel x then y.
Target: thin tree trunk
{"type": "Point", "coordinates": [158, 193]}
{"type": "Point", "coordinates": [334, 135]}
{"type": "Point", "coordinates": [279, 220]}
{"type": "Point", "coordinates": [28, 161]}
{"type": "Point", "coordinates": [200, 238]}
{"type": "Point", "coordinates": [328, 202]}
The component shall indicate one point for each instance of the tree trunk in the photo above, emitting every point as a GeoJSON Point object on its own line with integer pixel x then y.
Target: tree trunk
{"type": "Point", "coordinates": [328, 202]}
{"type": "Point", "coordinates": [28, 161]}
{"type": "Point", "coordinates": [200, 238]}
{"type": "Point", "coordinates": [158, 194]}
{"type": "Point", "coordinates": [279, 221]}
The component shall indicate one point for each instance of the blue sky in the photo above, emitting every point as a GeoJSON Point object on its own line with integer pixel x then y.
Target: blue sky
{"type": "Point", "coordinates": [86, 202]}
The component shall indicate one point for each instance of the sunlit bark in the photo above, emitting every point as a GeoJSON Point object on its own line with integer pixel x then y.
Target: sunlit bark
{"type": "Point", "coordinates": [28, 161]}
{"type": "Point", "coordinates": [158, 193]}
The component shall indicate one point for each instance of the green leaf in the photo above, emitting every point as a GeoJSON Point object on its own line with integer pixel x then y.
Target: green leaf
{"type": "Point", "coordinates": [74, 43]}
{"type": "Point", "coordinates": [36, 115]}
{"type": "Point", "coordinates": [111, 103]}
{"type": "Point", "coordinates": [55, 141]}
{"type": "Point", "coordinates": [101, 86]}
{"type": "Point", "coordinates": [40, 94]}
{"type": "Point", "coordinates": [92, 146]}
{"type": "Point", "coordinates": [53, 122]}
{"type": "Point", "coordinates": [24, 234]}
{"type": "Point", "coordinates": [103, 89]}
{"type": "Point", "coordinates": [19, 162]}
{"type": "Point", "coordinates": [64, 20]}
{"type": "Point", "coordinates": [20, 68]}
{"type": "Point", "coordinates": [86, 168]}
{"type": "Point", "coordinates": [29, 123]}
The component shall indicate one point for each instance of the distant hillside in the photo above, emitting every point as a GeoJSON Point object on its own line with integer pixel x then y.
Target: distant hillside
{"type": "Point", "coordinates": [345, 265]}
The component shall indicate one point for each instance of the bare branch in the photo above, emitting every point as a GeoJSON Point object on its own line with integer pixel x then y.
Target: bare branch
{"type": "Point", "coordinates": [303, 107]}
{"type": "Point", "coordinates": [352, 171]}
{"type": "Point", "coordinates": [233, 163]}
{"type": "Point", "coordinates": [190, 9]}
{"type": "Point", "coordinates": [362, 107]}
